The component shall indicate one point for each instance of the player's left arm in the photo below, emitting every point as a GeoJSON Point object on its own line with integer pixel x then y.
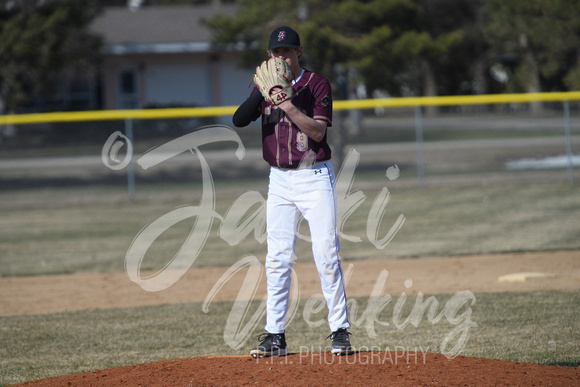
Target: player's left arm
{"type": "Point", "coordinates": [315, 129]}
{"type": "Point", "coordinates": [248, 111]}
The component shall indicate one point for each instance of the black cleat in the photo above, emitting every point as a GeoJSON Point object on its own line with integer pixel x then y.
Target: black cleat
{"type": "Point", "coordinates": [341, 342]}
{"type": "Point", "coordinates": [272, 344]}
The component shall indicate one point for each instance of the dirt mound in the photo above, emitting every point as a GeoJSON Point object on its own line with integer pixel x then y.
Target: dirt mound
{"type": "Point", "coordinates": [322, 368]}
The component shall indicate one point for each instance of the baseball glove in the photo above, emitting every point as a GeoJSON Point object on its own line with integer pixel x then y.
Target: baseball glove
{"type": "Point", "coordinates": [273, 78]}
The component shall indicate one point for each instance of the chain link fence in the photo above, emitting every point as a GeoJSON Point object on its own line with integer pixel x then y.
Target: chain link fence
{"type": "Point", "coordinates": [459, 144]}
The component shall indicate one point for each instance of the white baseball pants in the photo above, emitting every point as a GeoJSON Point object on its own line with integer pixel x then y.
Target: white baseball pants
{"type": "Point", "coordinates": [310, 192]}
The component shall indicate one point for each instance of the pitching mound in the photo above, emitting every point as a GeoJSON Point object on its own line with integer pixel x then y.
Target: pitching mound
{"type": "Point", "coordinates": [322, 368]}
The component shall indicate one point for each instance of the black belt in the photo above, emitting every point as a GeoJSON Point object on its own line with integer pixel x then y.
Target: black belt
{"type": "Point", "coordinates": [292, 167]}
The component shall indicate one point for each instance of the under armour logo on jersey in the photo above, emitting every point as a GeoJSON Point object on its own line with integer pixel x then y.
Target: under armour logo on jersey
{"type": "Point", "coordinates": [281, 35]}
{"type": "Point", "coordinates": [317, 171]}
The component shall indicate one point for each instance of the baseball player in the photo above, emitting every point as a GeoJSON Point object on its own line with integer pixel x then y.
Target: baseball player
{"type": "Point", "coordinates": [296, 108]}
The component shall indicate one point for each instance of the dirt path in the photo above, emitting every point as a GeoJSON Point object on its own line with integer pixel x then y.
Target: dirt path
{"type": "Point", "coordinates": [434, 275]}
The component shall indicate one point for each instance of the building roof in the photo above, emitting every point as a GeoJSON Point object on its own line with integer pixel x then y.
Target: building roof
{"type": "Point", "coordinates": [157, 29]}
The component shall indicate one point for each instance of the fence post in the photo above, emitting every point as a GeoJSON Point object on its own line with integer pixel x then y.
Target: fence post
{"type": "Point", "coordinates": [419, 140]}
{"type": "Point", "coordinates": [131, 166]}
{"type": "Point", "coordinates": [568, 141]}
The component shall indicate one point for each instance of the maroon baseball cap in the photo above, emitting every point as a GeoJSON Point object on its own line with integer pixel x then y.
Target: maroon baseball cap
{"type": "Point", "coordinates": [284, 37]}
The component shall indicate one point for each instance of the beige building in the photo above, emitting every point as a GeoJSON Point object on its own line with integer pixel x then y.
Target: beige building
{"type": "Point", "coordinates": [162, 56]}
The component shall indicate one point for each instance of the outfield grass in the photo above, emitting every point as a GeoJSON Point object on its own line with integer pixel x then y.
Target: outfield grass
{"type": "Point", "coordinates": [538, 327]}
{"type": "Point", "coordinates": [55, 231]}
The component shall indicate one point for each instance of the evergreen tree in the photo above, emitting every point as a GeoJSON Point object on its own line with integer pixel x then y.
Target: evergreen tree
{"type": "Point", "coordinates": [38, 40]}
{"type": "Point", "coordinates": [542, 40]}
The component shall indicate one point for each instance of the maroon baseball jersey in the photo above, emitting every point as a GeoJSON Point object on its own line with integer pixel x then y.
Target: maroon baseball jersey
{"type": "Point", "coordinates": [283, 144]}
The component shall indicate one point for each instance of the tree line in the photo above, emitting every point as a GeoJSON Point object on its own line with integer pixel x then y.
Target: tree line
{"type": "Point", "coordinates": [399, 47]}
{"type": "Point", "coordinates": [421, 47]}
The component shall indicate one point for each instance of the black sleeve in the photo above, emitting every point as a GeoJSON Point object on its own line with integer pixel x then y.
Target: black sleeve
{"type": "Point", "coordinates": [248, 111]}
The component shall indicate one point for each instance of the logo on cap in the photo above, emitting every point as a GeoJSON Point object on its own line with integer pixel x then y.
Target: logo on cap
{"type": "Point", "coordinates": [281, 35]}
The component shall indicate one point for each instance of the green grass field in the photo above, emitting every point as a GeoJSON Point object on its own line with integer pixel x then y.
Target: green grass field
{"type": "Point", "coordinates": [57, 231]}
{"type": "Point", "coordinates": [54, 231]}
{"type": "Point", "coordinates": [537, 327]}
